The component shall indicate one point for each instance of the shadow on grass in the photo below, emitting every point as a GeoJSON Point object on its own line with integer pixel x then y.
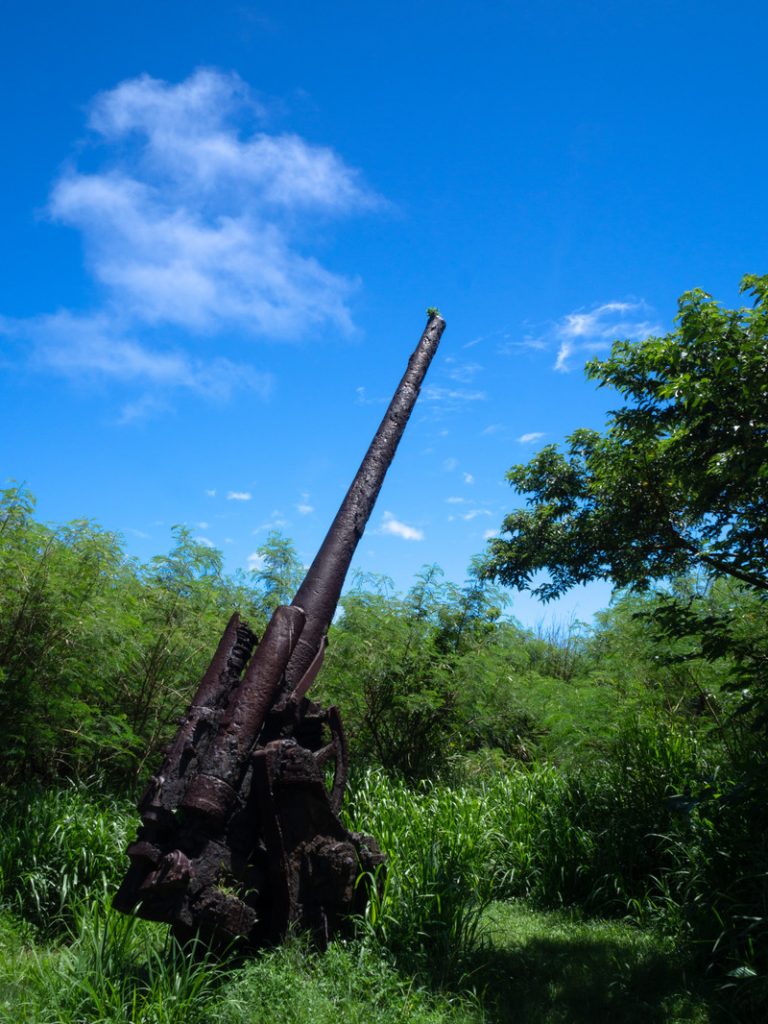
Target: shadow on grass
{"type": "Point", "coordinates": [550, 968]}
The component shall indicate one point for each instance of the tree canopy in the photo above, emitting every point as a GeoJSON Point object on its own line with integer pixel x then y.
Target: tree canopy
{"type": "Point", "coordinates": [677, 481]}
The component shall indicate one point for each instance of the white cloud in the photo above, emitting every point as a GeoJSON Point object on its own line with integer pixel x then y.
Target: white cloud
{"type": "Point", "coordinates": [205, 541]}
{"type": "Point", "coordinates": [532, 342]}
{"type": "Point", "coordinates": [203, 526]}
{"type": "Point", "coordinates": [474, 513]}
{"type": "Point", "coordinates": [529, 343]}
{"type": "Point", "coordinates": [584, 333]}
{"type": "Point", "coordinates": [487, 534]}
{"type": "Point", "coordinates": [239, 496]}
{"type": "Point", "coordinates": [492, 428]}
{"type": "Point", "coordinates": [363, 398]}
{"type": "Point", "coordinates": [502, 332]}
{"type": "Point", "coordinates": [394, 527]}
{"type": "Point", "coordinates": [594, 331]}
{"type": "Point", "coordinates": [189, 135]}
{"type": "Point", "coordinates": [450, 464]}
{"type": "Point", "coordinates": [534, 435]}
{"type": "Point", "coordinates": [211, 493]}
{"type": "Point", "coordinates": [189, 226]}
{"type": "Point", "coordinates": [436, 393]}
{"type": "Point", "coordinates": [303, 507]}
{"type": "Point", "coordinates": [186, 225]}
{"type": "Point", "coordinates": [468, 478]}
{"type": "Point", "coordinates": [275, 522]}
{"type": "Point", "coordinates": [101, 346]}
{"type": "Point", "coordinates": [464, 373]}
{"type": "Point", "coordinates": [439, 400]}
{"type": "Point", "coordinates": [143, 408]}
{"type": "Point", "coordinates": [564, 353]}
{"type": "Point", "coordinates": [456, 501]}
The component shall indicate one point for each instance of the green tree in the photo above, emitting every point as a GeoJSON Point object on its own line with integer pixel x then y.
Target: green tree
{"type": "Point", "coordinates": [387, 670]}
{"type": "Point", "coordinates": [677, 482]}
{"type": "Point", "coordinates": [98, 654]}
{"type": "Point", "coordinates": [278, 572]}
{"type": "Point", "coordinates": [60, 636]}
{"type": "Point", "coordinates": [174, 610]}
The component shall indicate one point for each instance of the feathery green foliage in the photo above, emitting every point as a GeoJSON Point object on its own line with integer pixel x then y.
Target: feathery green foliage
{"type": "Point", "coordinates": [678, 479]}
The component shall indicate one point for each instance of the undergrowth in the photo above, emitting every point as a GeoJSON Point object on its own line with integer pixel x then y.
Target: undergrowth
{"type": "Point", "coordinates": [58, 847]}
{"type": "Point", "coordinates": [651, 834]}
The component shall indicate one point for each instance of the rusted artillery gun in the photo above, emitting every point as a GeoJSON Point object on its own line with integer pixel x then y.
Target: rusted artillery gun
{"type": "Point", "coordinates": [240, 838]}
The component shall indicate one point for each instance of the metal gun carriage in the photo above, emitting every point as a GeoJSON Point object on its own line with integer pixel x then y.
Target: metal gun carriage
{"type": "Point", "coordinates": [240, 837]}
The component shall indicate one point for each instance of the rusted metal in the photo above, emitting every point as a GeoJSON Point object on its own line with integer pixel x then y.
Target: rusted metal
{"type": "Point", "coordinates": [240, 837]}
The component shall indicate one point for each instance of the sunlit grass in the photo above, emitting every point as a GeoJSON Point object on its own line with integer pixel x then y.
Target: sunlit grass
{"type": "Point", "coordinates": [116, 970]}
{"type": "Point", "coordinates": [59, 846]}
{"type": "Point", "coordinates": [606, 839]}
{"type": "Point", "coordinates": [556, 967]}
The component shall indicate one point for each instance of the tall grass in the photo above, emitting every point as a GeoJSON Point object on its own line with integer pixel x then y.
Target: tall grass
{"type": "Point", "coordinates": [58, 847]}
{"type": "Point", "coordinates": [594, 837]}
{"type": "Point", "coordinates": [113, 969]}
{"type": "Point", "coordinates": [428, 905]}
{"type": "Point", "coordinates": [651, 831]}
{"type": "Point", "coordinates": [350, 983]}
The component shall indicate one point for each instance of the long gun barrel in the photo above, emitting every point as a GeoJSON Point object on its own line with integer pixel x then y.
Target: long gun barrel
{"type": "Point", "coordinates": [319, 594]}
{"type": "Point", "coordinates": [239, 821]}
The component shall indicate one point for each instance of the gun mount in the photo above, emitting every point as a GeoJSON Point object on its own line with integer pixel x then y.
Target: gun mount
{"type": "Point", "coordinates": [240, 837]}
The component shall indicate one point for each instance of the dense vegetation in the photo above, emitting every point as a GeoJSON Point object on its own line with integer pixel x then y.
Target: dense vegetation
{"type": "Point", "coordinates": [678, 480]}
{"type": "Point", "coordinates": [602, 770]}
{"type": "Point", "coordinates": [575, 820]}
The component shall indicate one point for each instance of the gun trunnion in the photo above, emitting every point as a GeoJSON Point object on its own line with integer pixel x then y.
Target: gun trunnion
{"type": "Point", "coordinates": [240, 837]}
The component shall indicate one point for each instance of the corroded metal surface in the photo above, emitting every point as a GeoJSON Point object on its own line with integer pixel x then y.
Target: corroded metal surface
{"type": "Point", "coordinates": [240, 837]}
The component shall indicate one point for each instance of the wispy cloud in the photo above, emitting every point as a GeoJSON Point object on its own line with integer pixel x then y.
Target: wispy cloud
{"type": "Point", "coordinates": [593, 331]}
{"type": "Point", "coordinates": [534, 435]}
{"type": "Point", "coordinates": [255, 561]}
{"type": "Point", "coordinates": [362, 398]}
{"type": "Point", "coordinates": [144, 408]}
{"type": "Point", "coordinates": [138, 533]}
{"type": "Point", "coordinates": [529, 342]}
{"type": "Point", "coordinates": [436, 393]}
{"type": "Point", "coordinates": [275, 522]}
{"type": "Point", "coordinates": [211, 492]}
{"type": "Point", "coordinates": [395, 528]}
{"type": "Point", "coordinates": [487, 534]}
{"type": "Point", "coordinates": [303, 507]}
{"type": "Point", "coordinates": [239, 496]}
{"type": "Point", "coordinates": [464, 373]}
{"type": "Point", "coordinates": [468, 478]}
{"type": "Point", "coordinates": [472, 514]}
{"type": "Point", "coordinates": [102, 346]}
{"type": "Point", "coordinates": [450, 464]}
{"type": "Point", "coordinates": [189, 227]}
{"type": "Point", "coordinates": [500, 333]}
{"type": "Point", "coordinates": [584, 332]}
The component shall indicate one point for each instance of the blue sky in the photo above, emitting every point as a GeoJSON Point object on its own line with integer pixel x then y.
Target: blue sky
{"type": "Point", "coordinates": [222, 225]}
